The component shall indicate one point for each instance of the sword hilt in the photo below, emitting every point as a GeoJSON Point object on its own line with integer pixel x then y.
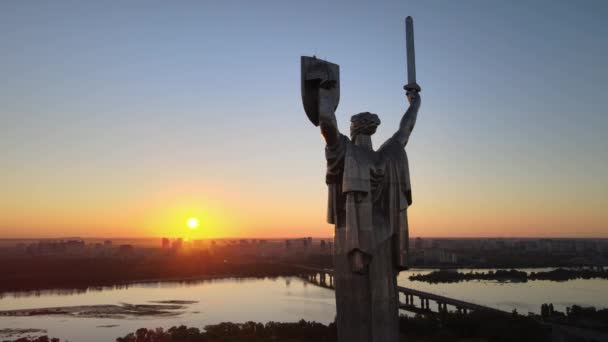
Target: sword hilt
{"type": "Point", "coordinates": [412, 87]}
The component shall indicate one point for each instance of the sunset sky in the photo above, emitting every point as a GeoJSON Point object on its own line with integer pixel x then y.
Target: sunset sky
{"type": "Point", "coordinates": [124, 119]}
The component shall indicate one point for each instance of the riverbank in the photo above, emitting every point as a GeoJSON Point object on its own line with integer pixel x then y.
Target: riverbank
{"type": "Point", "coordinates": [33, 274]}
{"type": "Point", "coordinates": [450, 326]}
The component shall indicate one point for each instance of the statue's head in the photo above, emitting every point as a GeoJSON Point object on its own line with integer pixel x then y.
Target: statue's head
{"type": "Point", "coordinates": [363, 123]}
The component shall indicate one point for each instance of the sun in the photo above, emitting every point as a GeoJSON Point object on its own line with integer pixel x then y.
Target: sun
{"type": "Point", "coordinates": [192, 223]}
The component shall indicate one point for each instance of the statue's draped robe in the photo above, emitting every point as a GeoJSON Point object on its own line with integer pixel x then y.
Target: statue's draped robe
{"type": "Point", "coordinates": [369, 193]}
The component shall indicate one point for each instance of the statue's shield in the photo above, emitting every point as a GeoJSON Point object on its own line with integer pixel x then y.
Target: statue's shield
{"type": "Point", "coordinates": [316, 73]}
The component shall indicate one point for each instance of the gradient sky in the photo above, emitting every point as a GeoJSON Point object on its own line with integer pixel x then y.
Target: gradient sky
{"type": "Point", "coordinates": [125, 118]}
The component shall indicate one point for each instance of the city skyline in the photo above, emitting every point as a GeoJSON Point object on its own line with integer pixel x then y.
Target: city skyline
{"type": "Point", "coordinates": [127, 120]}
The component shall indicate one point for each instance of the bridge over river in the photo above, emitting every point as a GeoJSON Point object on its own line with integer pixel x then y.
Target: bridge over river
{"type": "Point", "coordinates": [409, 299]}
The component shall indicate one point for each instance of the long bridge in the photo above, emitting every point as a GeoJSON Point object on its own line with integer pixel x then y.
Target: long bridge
{"type": "Point", "coordinates": [409, 299]}
{"type": "Point", "coordinates": [324, 277]}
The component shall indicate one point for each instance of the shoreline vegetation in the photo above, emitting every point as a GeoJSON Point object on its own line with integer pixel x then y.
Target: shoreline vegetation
{"type": "Point", "coordinates": [450, 326]}
{"type": "Point", "coordinates": [560, 274]}
{"type": "Point", "coordinates": [570, 325]}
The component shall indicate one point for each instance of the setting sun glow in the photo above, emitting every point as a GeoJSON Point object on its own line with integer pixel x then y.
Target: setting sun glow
{"type": "Point", "coordinates": [193, 223]}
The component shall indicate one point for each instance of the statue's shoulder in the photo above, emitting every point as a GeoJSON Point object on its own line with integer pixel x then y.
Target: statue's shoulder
{"type": "Point", "coordinates": [344, 138]}
{"type": "Point", "coordinates": [338, 149]}
{"type": "Point", "coordinates": [392, 144]}
{"type": "Point", "coordinates": [343, 141]}
{"type": "Point", "coordinates": [392, 151]}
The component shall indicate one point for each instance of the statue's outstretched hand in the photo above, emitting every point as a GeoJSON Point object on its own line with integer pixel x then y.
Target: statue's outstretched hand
{"type": "Point", "coordinates": [413, 97]}
{"type": "Point", "coordinates": [328, 98]}
{"type": "Point", "coordinates": [328, 102]}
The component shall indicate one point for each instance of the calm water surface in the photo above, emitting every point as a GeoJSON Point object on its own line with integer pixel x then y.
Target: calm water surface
{"type": "Point", "coordinates": [262, 300]}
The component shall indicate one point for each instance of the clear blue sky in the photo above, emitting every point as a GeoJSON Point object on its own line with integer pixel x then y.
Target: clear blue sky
{"type": "Point", "coordinates": [104, 105]}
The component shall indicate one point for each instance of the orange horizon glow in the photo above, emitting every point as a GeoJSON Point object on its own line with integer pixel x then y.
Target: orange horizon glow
{"type": "Point", "coordinates": [237, 207]}
{"type": "Point", "coordinates": [167, 215]}
{"type": "Point", "coordinates": [222, 218]}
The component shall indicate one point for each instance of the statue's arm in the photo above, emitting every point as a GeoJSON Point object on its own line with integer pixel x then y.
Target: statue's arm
{"type": "Point", "coordinates": [327, 116]}
{"type": "Point", "coordinates": [406, 126]}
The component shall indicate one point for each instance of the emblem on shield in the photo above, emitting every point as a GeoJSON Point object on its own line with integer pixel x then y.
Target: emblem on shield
{"type": "Point", "coordinates": [317, 73]}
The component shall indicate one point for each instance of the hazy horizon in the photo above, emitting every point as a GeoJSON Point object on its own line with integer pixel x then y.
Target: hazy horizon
{"type": "Point", "coordinates": [289, 237]}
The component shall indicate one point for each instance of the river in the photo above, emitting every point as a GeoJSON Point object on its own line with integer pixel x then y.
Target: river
{"type": "Point", "coordinates": [261, 300]}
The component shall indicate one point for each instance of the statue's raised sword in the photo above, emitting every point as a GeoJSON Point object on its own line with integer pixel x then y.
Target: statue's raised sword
{"type": "Point", "coordinates": [411, 56]}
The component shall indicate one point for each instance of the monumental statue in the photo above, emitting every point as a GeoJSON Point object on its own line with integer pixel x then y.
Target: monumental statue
{"type": "Point", "coordinates": [369, 194]}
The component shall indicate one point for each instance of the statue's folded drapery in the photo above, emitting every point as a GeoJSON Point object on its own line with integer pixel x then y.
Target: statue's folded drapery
{"type": "Point", "coordinates": [368, 196]}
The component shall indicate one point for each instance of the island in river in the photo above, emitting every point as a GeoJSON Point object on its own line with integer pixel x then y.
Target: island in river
{"type": "Point", "coordinates": [560, 274]}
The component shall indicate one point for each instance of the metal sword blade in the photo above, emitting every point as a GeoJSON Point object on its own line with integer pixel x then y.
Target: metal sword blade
{"type": "Point", "coordinates": [411, 55]}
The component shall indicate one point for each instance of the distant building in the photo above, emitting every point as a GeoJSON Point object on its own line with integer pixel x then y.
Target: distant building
{"type": "Point", "coordinates": [126, 250]}
{"type": "Point", "coordinates": [69, 247]}
{"type": "Point", "coordinates": [165, 243]}
{"type": "Point", "coordinates": [177, 243]}
{"type": "Point", "coordinates": [439, 256]}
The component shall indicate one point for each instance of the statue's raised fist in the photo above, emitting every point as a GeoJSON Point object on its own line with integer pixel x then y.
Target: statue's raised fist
{"type": "Point", "coordinates": [413, 97]}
